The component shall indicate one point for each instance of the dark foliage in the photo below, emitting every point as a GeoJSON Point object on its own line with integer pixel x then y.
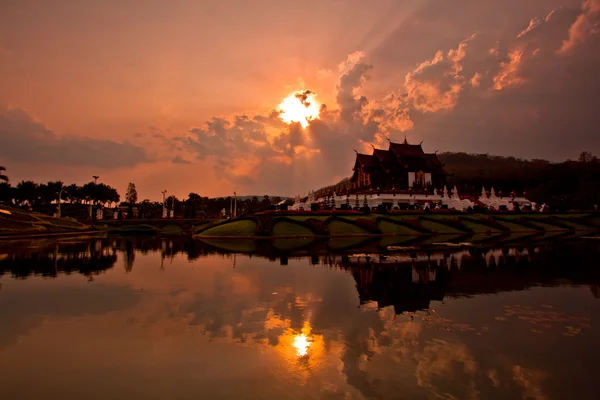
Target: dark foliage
{"type": "Point", "coordinates": [566, 185]}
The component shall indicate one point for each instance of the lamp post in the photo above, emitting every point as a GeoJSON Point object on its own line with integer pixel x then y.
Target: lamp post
{"type": "Point", "coordinates": [91, 202]}
{"type": "Point", "coordinates": [234, 204]}
{"type": "Point", "coordinates": [59, 200]}
{"type": "Point", "coordinates": [164, 192]}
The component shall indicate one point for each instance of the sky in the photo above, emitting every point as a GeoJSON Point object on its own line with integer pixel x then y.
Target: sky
{"type": "Point", "coordinates": [184, 96]}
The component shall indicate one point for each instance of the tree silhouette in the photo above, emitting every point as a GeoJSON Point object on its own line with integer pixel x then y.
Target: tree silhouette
{"type": "Point", "coordinates": [586, 157]}
{"type": "Point", "coordinates": [131, 196]}
{"type": "Point", "coordinates": [27, 192]}
{"type": "Point", "coordinates": [6, 192]}
{"type": "Point", "coordinates": [3, 176]}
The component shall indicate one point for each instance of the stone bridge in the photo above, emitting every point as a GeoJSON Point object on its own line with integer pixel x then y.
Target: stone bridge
{"type": "Point", "coordinates": [176, 224]}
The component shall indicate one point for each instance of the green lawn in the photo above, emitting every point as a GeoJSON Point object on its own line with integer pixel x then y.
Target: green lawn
{"type": "Point", "coordinates": [337, 228]}
{"type": "Point", "coordinates": [389, 228]}
{"type": "Point", "coordinates": [438, 227]}
{"type": "Point", "coordinates": [286, 228]}
{"type": "Point", "coordinates": [515, 227]}
{"type": "Point", "coordinates": [575, 225]}
{"type": "Point", "coordinates": [546, 226]}
{"type": "Point", "coordinates": [479, 227]}
{"type": "Point", "coordinates": [235, 228]}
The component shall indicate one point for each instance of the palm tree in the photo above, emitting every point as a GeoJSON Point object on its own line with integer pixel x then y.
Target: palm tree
{"type": "Point", "coordinates": [2, 176]}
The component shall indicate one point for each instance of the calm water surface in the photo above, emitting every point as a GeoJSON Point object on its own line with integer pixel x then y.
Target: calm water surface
{"type": "Point", "coordinates": [167, 319]}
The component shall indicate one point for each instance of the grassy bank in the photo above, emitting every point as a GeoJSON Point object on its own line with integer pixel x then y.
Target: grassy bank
{"type": "Point", "coordinates": [17, 222]}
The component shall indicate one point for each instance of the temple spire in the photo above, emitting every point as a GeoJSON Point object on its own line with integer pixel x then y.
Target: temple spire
{"type": "Point", "coordinates": [405, 141]}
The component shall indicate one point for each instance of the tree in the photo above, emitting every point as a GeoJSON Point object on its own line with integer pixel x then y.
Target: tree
{"type": "Point", "coordinates": [171, 202]}
{"type": "Point", "coordinates": [49, 192]}
{"type": "Point", "coordinates": [27, 191]}
{"type": "Point", "coordinates": [586, 157]}
{"type": "Point", "coordinates": [3, 176]}
{"type": "Point", "coordinates": [6, 192]}
{"type": "Point", "coordinates": [131, 195]}
{"type": "Point", "coordinates": [192, 205]}
{"type": "Point", "coordinates": [266, 202]}
{"type": "Point", "coordinates": [88, 192]}
{"type": "Point", "coordinates": [73, 193]}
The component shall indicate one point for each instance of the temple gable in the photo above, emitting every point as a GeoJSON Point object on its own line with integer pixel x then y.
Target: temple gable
{"type": "Point", "coordinates": [401, 166]}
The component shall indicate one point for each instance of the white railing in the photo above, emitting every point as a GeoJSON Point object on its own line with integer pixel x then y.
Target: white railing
{"type": "Point", "coordinates": [452, 200]}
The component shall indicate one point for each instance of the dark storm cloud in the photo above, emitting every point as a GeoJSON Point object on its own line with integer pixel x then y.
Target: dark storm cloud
{"type": "Point", "coordinates": [28, 141]}
{"type": "Point", "coordinates": [535, 98]}
{"type": "Point", "coordinates": [432, 24]}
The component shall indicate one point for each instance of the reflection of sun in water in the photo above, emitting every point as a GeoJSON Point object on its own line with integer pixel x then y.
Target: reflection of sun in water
{"type": "Point", "coordinates": [301, 344]}
{"type": "Point", "coordinates": [299, 107]}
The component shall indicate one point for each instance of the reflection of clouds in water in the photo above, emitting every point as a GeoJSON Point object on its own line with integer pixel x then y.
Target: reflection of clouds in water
{"type": "Point", "coordinates": [441, 367]}
{"type": "Point", "coordinates": [531, 382]}
{"type": "Point", "coordinates": [261, 308]}
{"type": "Point", "coordinates": [546, 318]}
{"type": "Point", "coordinates": [447, 363]}
{"type": "Point", "coordinates": [21, 311]}
{"type": "Point", "coordinates": [444, 367]}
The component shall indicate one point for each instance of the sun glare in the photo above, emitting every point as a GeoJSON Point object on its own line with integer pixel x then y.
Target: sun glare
{"type": "Point", "coordinates": [299, 107]}
{"type": "Point", "coordinates": [301, 345]}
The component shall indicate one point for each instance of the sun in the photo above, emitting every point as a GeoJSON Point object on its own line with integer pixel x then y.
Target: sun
{"type": "Point", "coordinates": [299, 107]}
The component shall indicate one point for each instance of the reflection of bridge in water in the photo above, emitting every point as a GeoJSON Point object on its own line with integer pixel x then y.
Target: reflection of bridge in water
{"type": "Point", "coordinates": [408, 278]}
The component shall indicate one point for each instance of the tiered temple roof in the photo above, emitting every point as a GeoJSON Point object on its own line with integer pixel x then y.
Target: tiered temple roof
{"type": "Point", "coordinates": [390, 166]}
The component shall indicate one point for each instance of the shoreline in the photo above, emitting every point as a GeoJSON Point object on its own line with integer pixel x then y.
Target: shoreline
{"type": "Point", "coordinates": [18, 236]}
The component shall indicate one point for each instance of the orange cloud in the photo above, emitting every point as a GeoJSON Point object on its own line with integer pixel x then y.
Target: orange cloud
{"type": "Point", "coordinates": [586, 24]}
{"type": "Point", "coordinates": [508, 75]}
{"type": "Point", "coordinates": [436, 84]}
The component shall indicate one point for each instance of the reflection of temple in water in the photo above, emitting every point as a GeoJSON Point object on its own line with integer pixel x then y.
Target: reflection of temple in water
{"type": "Point", "coordinates": [409, 282]}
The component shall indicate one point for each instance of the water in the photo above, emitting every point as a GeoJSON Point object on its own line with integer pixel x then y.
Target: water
{"type": "Point", "coordinates": [177, 319]}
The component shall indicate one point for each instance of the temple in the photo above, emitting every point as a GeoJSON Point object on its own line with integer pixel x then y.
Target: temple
{"type": "Point", "coordinates": [400, 178]}
{"type": "Point", "coordinates": [401, 166]}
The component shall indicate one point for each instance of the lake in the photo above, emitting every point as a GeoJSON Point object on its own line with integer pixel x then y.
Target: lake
{"type": "Point", "coordinates": [151, 318]}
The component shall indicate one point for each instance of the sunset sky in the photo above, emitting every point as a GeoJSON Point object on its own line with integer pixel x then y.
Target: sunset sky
{"type": "Point", "coordinates": [184, 95]}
